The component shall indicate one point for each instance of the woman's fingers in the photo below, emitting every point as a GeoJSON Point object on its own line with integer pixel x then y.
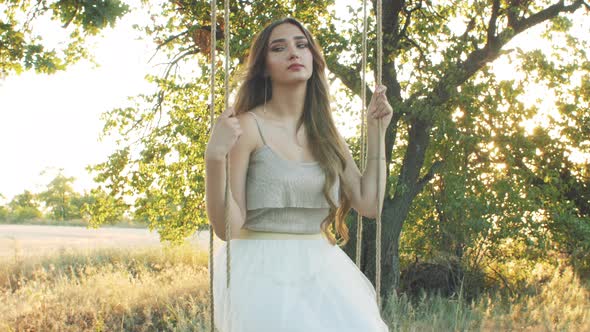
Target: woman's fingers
{"type": "Point", "coordinates": [381, 108]}
{"type": "Point", "coordinates": [228, 112]}
{"type": "Point", "coordinates": [379, 115]}
{"type": "Point", "coordinates": [380, 88]}
{"type": "Point", "coordinates": [379, 105]}
{"type": "Point", "coordinates": [228, 126]}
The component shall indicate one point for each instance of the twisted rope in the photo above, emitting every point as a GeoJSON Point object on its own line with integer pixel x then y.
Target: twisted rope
{"type": "Point", "coordinates": [379, 201]}
{"type": "Point", "coordinates": [211, 119]}
{"type": "Point", "coordinates": [226, 41]}
{"type": "Point", "coordinates": [363, 157]}
{"type": "Point", "coordinates": [227, 177]}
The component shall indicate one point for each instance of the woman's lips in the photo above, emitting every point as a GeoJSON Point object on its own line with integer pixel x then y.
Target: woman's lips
{"type": "Point", "coordinates": [295, 66]}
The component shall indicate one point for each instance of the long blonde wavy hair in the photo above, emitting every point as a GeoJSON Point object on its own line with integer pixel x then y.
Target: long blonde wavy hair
{"type": "Point", "coordinates": [325, 143]}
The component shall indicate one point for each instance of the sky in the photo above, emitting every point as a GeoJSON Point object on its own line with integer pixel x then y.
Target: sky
{"type": "Point", "coordinates": [48, 122]}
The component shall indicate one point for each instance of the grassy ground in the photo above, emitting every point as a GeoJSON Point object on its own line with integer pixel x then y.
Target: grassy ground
{"type": "Point", "coordinates": [72, 222]}
{"type": "Point", "coordinates": [168, 290]}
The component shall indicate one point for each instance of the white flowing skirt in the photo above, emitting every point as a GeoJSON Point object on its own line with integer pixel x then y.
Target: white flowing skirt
{"type": "Point", "coordinates": [292, 285]}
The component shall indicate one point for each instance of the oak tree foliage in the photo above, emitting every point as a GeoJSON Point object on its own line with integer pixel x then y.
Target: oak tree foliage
{"type": "Point", "coordinates": [22, 25]}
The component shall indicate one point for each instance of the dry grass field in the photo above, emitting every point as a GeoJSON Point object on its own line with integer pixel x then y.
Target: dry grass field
{"type": "Point", "coordinates": [159, 288]}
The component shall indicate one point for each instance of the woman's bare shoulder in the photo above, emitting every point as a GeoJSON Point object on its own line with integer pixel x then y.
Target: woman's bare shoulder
{"type": "Point", "coordinates": [247, 121]}
{"type": "Point", "coordinates": [249, 128]}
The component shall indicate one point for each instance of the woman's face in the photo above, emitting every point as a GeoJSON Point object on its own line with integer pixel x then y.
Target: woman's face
{"type": "Point", "coordinates": [289, 58]}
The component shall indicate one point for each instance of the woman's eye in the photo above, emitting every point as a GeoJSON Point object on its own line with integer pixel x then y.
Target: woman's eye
{"type": "Point", "coordinates": [277, 49]}
{"type": "Point", "coordinates": [302, 45]}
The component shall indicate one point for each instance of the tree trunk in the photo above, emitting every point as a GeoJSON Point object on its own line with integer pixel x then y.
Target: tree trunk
{"type": "Point", "coordinates": [393, 216]}
{"type": "Point", "coordinates": [394, 213]}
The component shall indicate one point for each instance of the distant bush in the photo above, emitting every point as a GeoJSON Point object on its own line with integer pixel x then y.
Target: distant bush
{"type": "Point", "coordinates": [22, 213]}
{"type": "Point", "coordinates": [4, 214]}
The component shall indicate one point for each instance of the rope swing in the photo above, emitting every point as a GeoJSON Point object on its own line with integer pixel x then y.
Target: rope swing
{"type": "Point", "coordinates": [363, 158]}
{"type": "Point", "coordinates": [211, 120]}
{"type": "Point", "coordinates": [211, 117]}
{"type": "Point", "coordinates": [380, 148]}
{"type": "Point", "coordinates": [363, 142]}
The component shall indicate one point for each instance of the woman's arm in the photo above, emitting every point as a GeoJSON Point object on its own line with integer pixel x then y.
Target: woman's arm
{"type": "Point", "coordinates": [375, 161]}
{"type": "Point", "coordinates": [215, 179]}
{"type": "Point", "coordinates": [215, 199]}
{"type": "Point", "coordinates": [363, 188]}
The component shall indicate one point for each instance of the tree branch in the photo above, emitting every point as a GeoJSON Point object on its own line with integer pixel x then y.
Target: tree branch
{"type": "Point", "coordinates": [434, 11]}
{"type": "Point", "coordinates": [157, 108]}
{"type": "Point", "coordinates": [176, 36]}
{"type": "Point", "coordinates": [408, 14]}
{"type": "Point", "coordinates": [350, 78]}
{"type": "Point", "coordinates": [73, 15]}
{"type": "Point", "coordinates": [436, 166]}
{"type": "Point", "coordinates": [481, 56]}
{"type": "Point", "coordinates": [492, 25]}
{"type": "Point", "coordinates": [418, 140]}
{"type": "Point", "coordinates": [512, 14]}
{"type": "Point", "coordinates": [545, 14]}
{"type": "Point", "coordinates": [420, 50]}
{"type": "Point", "coordinates": [38, 9]}
{"type": "Point", "coordinates": [468, 29]}
{"type": "Point", "coordinates": [402, 33]}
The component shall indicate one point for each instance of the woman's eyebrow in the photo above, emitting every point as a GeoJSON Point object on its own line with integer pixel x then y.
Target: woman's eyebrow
{"type": "Point", "coordinates": [281, 40]}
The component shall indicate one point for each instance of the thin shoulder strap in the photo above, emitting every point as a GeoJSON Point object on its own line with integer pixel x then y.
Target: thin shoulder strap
{"type": "Point", "coordinates": [258, 126]}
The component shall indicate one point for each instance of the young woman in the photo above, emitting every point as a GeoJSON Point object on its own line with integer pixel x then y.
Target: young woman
{"type": "Point", "coordinates": [292, 182]}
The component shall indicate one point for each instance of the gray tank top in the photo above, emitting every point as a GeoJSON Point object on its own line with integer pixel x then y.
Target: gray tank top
{"type": "Point", "coordinates": [285, 195]}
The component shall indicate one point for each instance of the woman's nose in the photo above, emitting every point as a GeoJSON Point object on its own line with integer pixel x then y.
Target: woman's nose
{"type": "Point", "coordinates": [293, 53]}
